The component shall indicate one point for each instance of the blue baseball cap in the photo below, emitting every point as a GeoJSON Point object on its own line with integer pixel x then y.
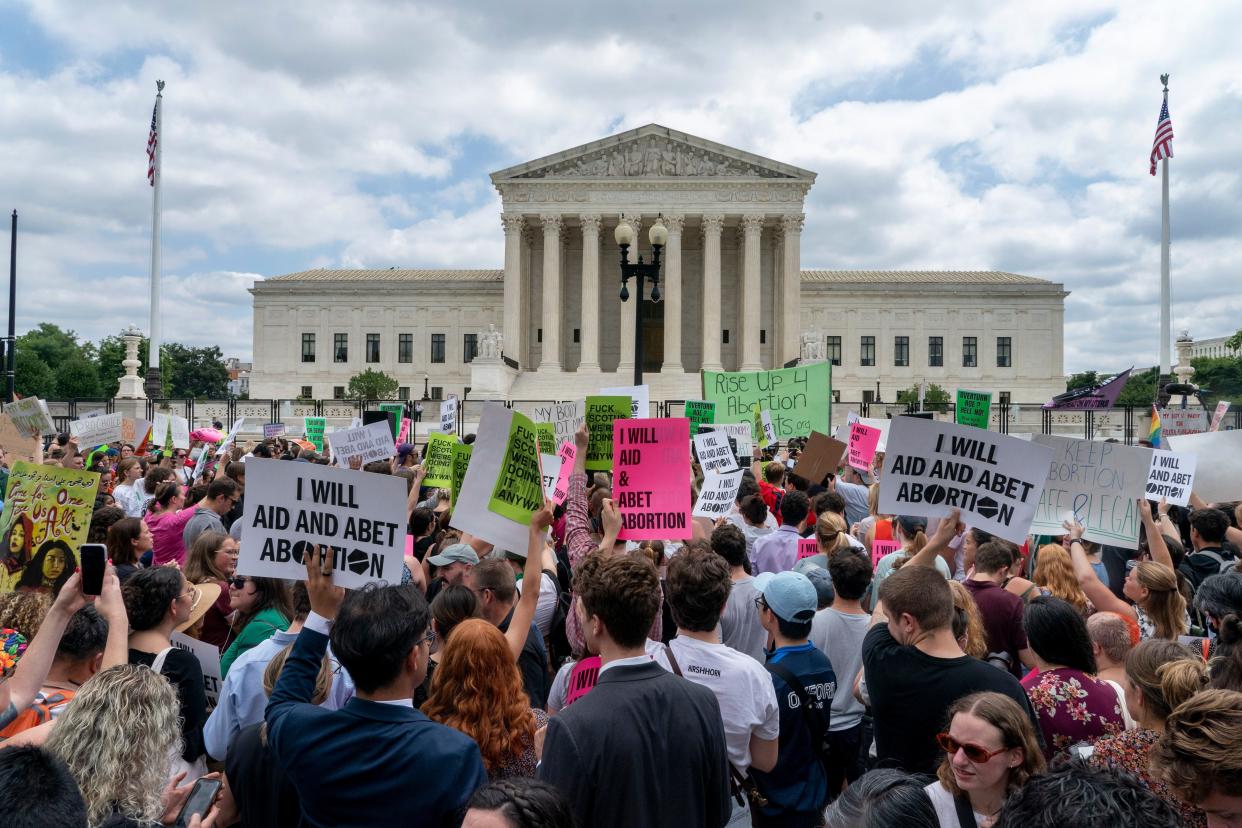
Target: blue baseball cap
{"type": "Point", "coordinates": [790, 595]}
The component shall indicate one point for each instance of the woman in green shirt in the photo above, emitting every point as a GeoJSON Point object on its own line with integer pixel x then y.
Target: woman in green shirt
{"type": "Point", "coordinates": [261, 606]}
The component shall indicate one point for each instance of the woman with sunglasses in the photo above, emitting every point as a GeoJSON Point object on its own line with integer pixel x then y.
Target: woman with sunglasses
{"type": "Point", "coordinates": [211, 560]}
{"type": "Point", "coordinates": [261, 606]}
{"type": "Point", "coordinates": [990, 751]}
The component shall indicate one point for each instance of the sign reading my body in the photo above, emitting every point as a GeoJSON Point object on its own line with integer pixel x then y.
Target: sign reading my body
{"type": "Point", "coordinates": [776, 394]}
{"type": "Point", "coordinates": [1011, 488]}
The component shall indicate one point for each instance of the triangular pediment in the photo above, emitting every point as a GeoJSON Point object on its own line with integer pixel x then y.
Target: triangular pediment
{"type": "Point", "coordinates": [652, 151]}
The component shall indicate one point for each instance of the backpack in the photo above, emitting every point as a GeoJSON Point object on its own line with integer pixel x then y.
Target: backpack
{"type": "Point", "coordinates": [43, 709]}
{"type": "Point", "coordinates": [812, 715]}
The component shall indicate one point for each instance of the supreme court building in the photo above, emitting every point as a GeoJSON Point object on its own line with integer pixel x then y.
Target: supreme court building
{"type": "Point", "coordinates": [550, 325]}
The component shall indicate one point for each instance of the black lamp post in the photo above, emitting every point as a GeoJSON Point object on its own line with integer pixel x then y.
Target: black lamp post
{"type": "Point", "coordinates": [658, 237]}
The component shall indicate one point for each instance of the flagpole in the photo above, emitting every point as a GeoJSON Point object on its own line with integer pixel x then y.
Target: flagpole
{"type": "Point", "coordinates": [154, 387]}
{"type": "Point", "coordinates": [1166, 310]}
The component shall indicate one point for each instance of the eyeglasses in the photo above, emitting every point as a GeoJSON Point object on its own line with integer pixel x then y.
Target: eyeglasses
{"type": "Point", "coordinates": [430, 637]}
{"type": "Point", "coordinates": [760, 603]}
{"type": "Point", "coordinates": [975, 753]}
{"type": "Point", "coordinates": [239, 583]}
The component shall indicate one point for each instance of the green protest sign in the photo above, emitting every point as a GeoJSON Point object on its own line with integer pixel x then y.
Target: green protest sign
{"type": "Point", "coordinates": [546, 434]}
{"type": "Point", "coordinates": [700, 412]}
{"type": "Point", "coordinates": [973, 408]}
{"type": "Point", "coordinates": [439, 459]}
{"type": "Point", "coordinates": [798, 399]}
{"type": "Point", "coordinates": [600, 412]}
{"type": "Point", "coordinates": [461, 461]}
{"type": "Point", "coordinates": [314, 431]}
{"type": "Point", "coordinates": [519, 487]}
{"type": "Point", "coordinates": [398, 411]}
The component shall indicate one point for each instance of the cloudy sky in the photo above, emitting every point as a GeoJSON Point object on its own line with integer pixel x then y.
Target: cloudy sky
{"type": "Point", "coordinates": [981, 135]}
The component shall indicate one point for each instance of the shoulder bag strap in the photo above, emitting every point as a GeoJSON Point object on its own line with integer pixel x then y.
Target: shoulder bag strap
{"type": "Point", "coordinates": [965, 812]}
{"type": "Point", "coordinates": [158, 664]}
{"type": "Point", "coordinates": [812, 716]}
{"type": "Point", "coordinates": [672, 661]}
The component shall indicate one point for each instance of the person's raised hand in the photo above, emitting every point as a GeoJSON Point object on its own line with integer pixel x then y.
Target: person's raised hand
{"type": "Point", "coordinates": [70, 599]}
{"type": "Point", "coordinates": [325, 596]}
{"type": "Point", "coordinates": [946, 530]}
{"type": "Point", "coordinates": [541, 519]}
{"type": "Point", "coordinates": [581, 437]}
{"type": "Point", "coordinates": [110, 604]}
{"type": "Point", "coordinates": [1163, 507]}
{"type": "Point", "coordinates": [1073, 528]}
{"type": "Point", "coordinates": [610, 515]}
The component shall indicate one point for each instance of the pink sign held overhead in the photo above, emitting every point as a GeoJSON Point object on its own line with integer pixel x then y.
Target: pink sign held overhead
{"type": "Point", "coordinates": [567, 452]}
{"type": "Point", "coordinates": [863, 442]}
{"type": "Point", "coordinates": [807, 547]}
{"type": "Point", "coordinates": [651, 485]}
{"type": "Point", "coordinates": [403, 436]}
{"type": "Point", "coordinates": [1221, 408]}
{"type": "Point", "coordinates": [880, 548]}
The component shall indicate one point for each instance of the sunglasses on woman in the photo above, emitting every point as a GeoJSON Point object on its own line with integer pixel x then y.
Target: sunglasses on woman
{"type": "Point", "coordinates": [238, 583]}
{"type": "Point", "coordinates": [975, 753]}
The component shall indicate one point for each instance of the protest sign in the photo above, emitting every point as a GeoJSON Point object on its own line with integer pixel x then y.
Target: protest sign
{"type": "Point", "coordinates": [714, 452]}
{"type": "Point", "coordinates": [403, 433]}
{"type": "Point", "coordinates": [271, 430]}
{"type": "Point", "coordinates": [160, 428]}
{"type": "Point", "coordinates": [31, 417]}
{"type": "Point", "coordinates": [1091, 397]}
{"type": "Point", "coordinates": [518, 492]}
{"type": "Point", "coordinates": [545, 433]}
{"type": "Point", "coordinates": [700, 412]}
{"type": "Point", "coordinates": [740, 433]}
{"type": "Point", "coordinates": [807, 547]}
{"type": "Point", "coordinates": [43, 505]}
{"type": "Point", "coordinates": [819, 458]}
{"type": "Point", "coordinates": [16, 444]}
{"type": "Point", "coordinates": [765, 422]}
{"type": "Point", "coordinates": [800, 399]}
{"type": "Point", "coordinates": [357, 518]}
{"type": "Point", "coordinates": [1171, 477]}
{"type": "Point", "coordinates": [461, 461]}
{"type": "Point", "coordinates": [973, 408]}
{"type": "Point", "coordinates": [1221, 408]}
{"type": "Point", "coordinates": [395, 412]}
{"type": "Point", "coordinates": [567, 454]}
{"type": "Point", "coordinates": [566, 417]}
{"type": "Point", "coordinates": [550, 469]}
{"type": "Point", "coordinates": [369, 442]}
{"type": "Point", "coordinates": [863, 442]}
{"type": "Point", "coordinates": [1096, 484]}
{"type": "Point", "coordinates": [651, 484]}
{"type": "Point", "coordinates": [98, 431]}
{"type": "Point", "coordinates": [877, 423]}
{"type": "Point", "coordinates": [208, 656]}
{"type": "Point", "coordinates": [314, 426]}
{"type": "Point", "coordinates": [880, 548]}
{"type": "Point", "coordinates": [932, 468]}
{"type": "Point", "coordinates": [1177, 421]}
{"type": "Point", "coordinates": [438, 460]}
{"type": "Point", "coordinates": [717, 494]}
{"type": "Point", "coordinates": [1218, 475]}
{"type": "Point", "coordinates": [180, 428]}
{"type": "Point", "coordinates": [756, 427]}
{"type": "Point", "coordinates": [448, 416]}
{"type": "Point", "coordinates": [473, 513]}
{"type": "Point", "coordinates": [600, 414]}
{"type": "Point", "coordinates": [232, 436]}
{"type": "Point", "coordinates": [640, 398]}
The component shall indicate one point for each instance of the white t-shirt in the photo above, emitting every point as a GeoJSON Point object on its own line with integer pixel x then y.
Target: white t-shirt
{"type": "Point", "coordinates": [742, 686]}
{"type": "Point", "coordinates": [946, 811]}
{"type": "Point", "coordinates": [546, 608]}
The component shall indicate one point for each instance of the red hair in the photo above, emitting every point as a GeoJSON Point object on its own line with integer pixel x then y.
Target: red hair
{"type": "Point", "coordinates": [477, 689]}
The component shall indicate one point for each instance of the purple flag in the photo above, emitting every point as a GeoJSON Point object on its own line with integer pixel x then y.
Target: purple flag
{"type": "Point", "coordinates": [1092, 397]}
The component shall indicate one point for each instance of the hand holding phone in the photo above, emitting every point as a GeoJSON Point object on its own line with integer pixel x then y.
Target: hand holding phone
{"type": "Point", "coordinates": [199, 802]}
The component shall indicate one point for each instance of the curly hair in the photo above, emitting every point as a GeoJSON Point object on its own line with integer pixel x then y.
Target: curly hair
{"type": "Point", "coordinates": [1055, 573]}
{"type": "Point", "coordinates": [525, 803]}
{"type": "Point", "coordinates": [148, 594]}
{"type": "Point", "coordinates": [968, 619]}
{"type": "Point", "coordinates": [24, 611]}
{"type": "Point", "coordinates": [477, 689]}
{"type": "Point", "coordinates": [1201, 749]}
{"type": "Point", "coordinates": [1016, 730]}
{"type": "Point", "coordinates": [119, 753]}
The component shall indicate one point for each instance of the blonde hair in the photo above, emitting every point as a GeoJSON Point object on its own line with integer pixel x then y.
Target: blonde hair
{"type": "Point", "coordinates": [1055, 573]}
{"type": "Point", "coordinates": [323, 681]}
{"type": "Point", "coordinates": [1166, 674]}
{"type": "Point", "coordinates": [830, 531]}
{"type": "Point", "coordinates": [1016, 730]}
{"type": "Point", "coordinates": [1201, 749]}
{"type": "Point", "coordinates": [118, 737]}
{"type": "Point", "coordinates": [24, 611]}
{"type": "Point", "coordinates": [1165, 605]}
{"type": "Point", "coordinates": [965, 608]}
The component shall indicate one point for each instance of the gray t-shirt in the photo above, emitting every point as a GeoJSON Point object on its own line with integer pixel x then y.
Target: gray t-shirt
{"type": "Point", "coordinates": [739, 626]}
{"type": "Point", "coordinates": [204, 520]}
{"type": "Point", "coordinates": [839, 636]}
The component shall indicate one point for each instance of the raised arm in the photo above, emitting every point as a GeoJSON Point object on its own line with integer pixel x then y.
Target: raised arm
{"type": "Point", "coordinates": [578, 539]}
{"type": "Point", "coordinates": [532, 574]}
{"type": "Point", "coordinates": [111, 608]}
{"type": "Point", "coordinates": [32, 670]}
{"type": "Point", "coordinates": [1155, 534]}
{"type": "Point", "coordinates": [938, 543]}
{"type": "Point", "coordinates": [1099, 595]}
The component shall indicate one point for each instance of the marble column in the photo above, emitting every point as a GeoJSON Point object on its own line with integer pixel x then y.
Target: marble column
{"type": "Point", "coordinates": [713, 223]}
{"type": "Point", "coordinates": [790, 286]}
{"type": "Point", "coordinates": [590, 321]}
{"type": "Point", "coordinates": [752, 230]}
{"type": "Point", "coordinates": [671, 288]}
{"type": "Point", "coordinates": [551, 352]}
{"type": "Point", "coordinates": [514, 290]}
{"type": "Point", "coordinates": [778, 279]}
{"type": "Point", "coordinates": [628, 308]}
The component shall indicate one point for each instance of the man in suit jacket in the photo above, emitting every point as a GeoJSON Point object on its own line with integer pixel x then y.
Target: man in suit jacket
{"type": "Point", "coordinates": [377, 761]}
{"type": "Point", "coordinates": [643, 747]}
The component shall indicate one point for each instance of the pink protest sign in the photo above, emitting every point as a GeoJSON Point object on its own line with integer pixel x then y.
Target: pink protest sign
{"type": "Point", "coordinates": [863, 442]}
{"type": "Point", "coordinates": [567, 452]}
{"type": "Point", "coordinates": [1221, 408]}
{"type": "Point", "coordinates": [807, 547]}
{"type": "Point", "coordinates": [403, 436]}
{"type": "Point", "coordinates": [651, 464]}
{"type": "Point", "coordinates": [880, 548]}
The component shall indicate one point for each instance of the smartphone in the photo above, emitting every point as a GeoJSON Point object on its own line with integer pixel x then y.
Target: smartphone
{"type": "Point", "coordinates": [201, 796]}
{"type": "Point", "coordinates": [94, 558]}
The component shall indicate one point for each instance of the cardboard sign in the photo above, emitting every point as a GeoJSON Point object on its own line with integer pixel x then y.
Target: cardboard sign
{"type": "Point", "coordinates": [652, 481]}
{"type": "Point", "coordinates": [717, 494]}
{"type": "Point", "coordinates": [1221, 408]}
{"type": "Point", "coordinates": [314, 427]}
{"type": "Point", "coordinates": [461, 461]}
{"type": "Point", "coordinates": [567, 454]}
{"type": "Point", "coordinates": [369, 442]}
{"type": "Point", "coordinates": [819, 458]}
{"type": "Point", "coordinates": [358, 518]}
{"type": "Point", "coordinates": [800, 399]}
{"type": "Point", "coordinates": [545, 433]}
{"type": "Point", "coordinates": [31, 417]}
{"type": "Point", "coordinates": [180, 427]}
{"type": "Point", "coordinates": [208, 661]}
{"type": "Point", "coordinates": [99, 431]}
{"type": "Point", "coordinates": [600, 414]}
{"type": "Point", "coordinates": [395, 411]}
{"type": "Point", "coordinates": [933, 467]}
{"type": "Point", "coordinates": [880, 548]}
{"type": "Point", "coordinates": [1096, 484]}
{"type": "Point", "coordinates": [518, 492]}
{"type": "Point", "coordinates": [473, 513]}
{"type": "Point", "coordinates": [1178, 421]}
{"type": "Point", "coordinates": [1171, 476]}
{"type": "Point", "coordinates": [439, 459]}
{"type": "Point", "coordinates": [44, 504]}
{"type": "Point", "coordinates": [807, 547]}
{"type": "Point", "coordinates": [700, 412]}
{"type": "Point", "coordinates": [714, 452]}
{"type": "Point", "coordinates": [271, 430]}
{"type": "Point", "coordinates": [448, 416]}
{"type": "Point", "coordinates": [863, 443]}
{"type": "Point", "coordinates": [973, 408]}
{"type": "Point", "coordinates": [15, 442]}
{"type": "Point", "coordinates": [640, 398]}
{"type": "Point", "coordinates": [1218, 476]}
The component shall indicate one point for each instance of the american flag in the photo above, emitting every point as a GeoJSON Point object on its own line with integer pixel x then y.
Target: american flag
{"type": "Point", "coordinates": [153, 139]}
{"type": "Point", "coordinates": [1162, 145]}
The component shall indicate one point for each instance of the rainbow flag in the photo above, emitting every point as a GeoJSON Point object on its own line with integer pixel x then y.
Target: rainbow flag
{"type": "Point", "coordinates": [1157, 428]}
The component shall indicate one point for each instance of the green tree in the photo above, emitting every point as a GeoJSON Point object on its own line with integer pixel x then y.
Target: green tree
{"type": "Point", "coordinates": [193, 372]}
{"type": "Point", "coordinates": [933, 396]}
{"type": "Point", "coordinates": [111, 353]}
{"type": "Point", "coordinates": [1141, 388]}
{"type": "Point", "coordinates": [77, 378]}
{"type": "Point", "coordinates": [32, 376]}
{"type": "Point", "coordinates": [372, 385]}
{"type": "Point", "coordinates": [52, 344]}
{"type": "Point", "coordinates": [1082, 380]}
{"type": "Point", "coordinates": [1221, 377]}
{"type": "Point", "coordinates": [1234, 341]}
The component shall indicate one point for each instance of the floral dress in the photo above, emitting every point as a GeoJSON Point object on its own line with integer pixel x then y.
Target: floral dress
{"type": "Point", "coordinates": [1072, 707]}
{"type": "Point", "coordinates": [1130, 752]}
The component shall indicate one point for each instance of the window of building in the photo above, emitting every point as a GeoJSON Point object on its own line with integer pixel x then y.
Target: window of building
{"type": "Point", "coordinates": [338, 392]}
{"type": "Point", "coordinates": [970, 351]}
{"type": "Point", "coordinates": [868, 396]}
{"type": "Point", "coordinates": [868, 351]}
{"type": "Point", "coordinates": [403, 393]}
{"type": "Point", "coordinates": [901, 351]}
{"type": "Point", "coordinates": [1004, 351]}
{"type": "Point", "coordinates": [763, 337]}
{"type": "Point", "coordinates": [340, 347]}
{"type": "Point", "coordinates": [469, 347]}
{"type": "Point", "coordinates": [577, 334]}
{"type": "Point", "coordinates": [724, 336]}
{"type": "Point", "coordinates": [1004, 398]}
{"type": "Point", "coordinates": [373, 347]}
{"type": "Point", "coordinates": [437, 392]}
{"type": "Point", "coordinates": [834, 350]}
{"type": "Point", "coordinates": [437, 347]}
{"type": "Point", "coordinates": [836, 396]}
{"type": "Point", "coordinates": [307, 392]}
{"type": "Point", "coordinates": [405, 347]}
{"type": "Point", "coordinates": [539, 334]}
{"type": "Point", "coordinates": [308, 347]}
{"type": "Point", "coordinates": [935, 351]}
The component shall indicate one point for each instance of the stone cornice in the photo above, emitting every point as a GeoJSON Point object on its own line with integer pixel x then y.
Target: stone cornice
{"type": "Point", "coordinates": [690, 195]}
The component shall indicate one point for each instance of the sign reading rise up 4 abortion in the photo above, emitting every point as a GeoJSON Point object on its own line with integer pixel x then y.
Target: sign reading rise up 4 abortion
{"type": "Point", "coordinates": [652, 485]}
{"type": "Point", "coordinates": [799, 399]}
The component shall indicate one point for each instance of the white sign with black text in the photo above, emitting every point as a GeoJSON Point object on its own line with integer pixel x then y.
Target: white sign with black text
{"type": "Point", "coordinates": [714, 452]}
{"type": "Point", "coordinates": [717, 494]}
{"type": "Point", "coordinates": [1171, 477]}
{"type": "Point", "coordinates": [369, 442]}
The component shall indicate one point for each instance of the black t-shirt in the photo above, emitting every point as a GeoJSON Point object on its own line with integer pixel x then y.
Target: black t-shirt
{"type": "Point", "coordinates": [181, 668]}
{"type": "Point", "coordinates": [911, 692]}
{"type": "Point", "coordinates": [264, 795]}
{"type": "Point", "coordinates": [533, 664]}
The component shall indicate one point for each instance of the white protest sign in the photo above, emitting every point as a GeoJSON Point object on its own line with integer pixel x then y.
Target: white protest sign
{"type": "Point", "coordinates": [180, 432]}
{"type": "Point", "coordinates": [769, 431]}
{"type": "Point", "coordinates": [715, 455]}
{"type": "Point", "coordinates": [1221, 408]}
{"type": "Point", "coordinates": [742, 436]}
{"type": "Point", "coordinates": [98, 412]}
{"type": "Point", "coordinates": [31, 417]}
{"type": "Point", "coordinates": [566, 455]}
{"type": "Point", "coordinates": [882, 425]}
{"type": "Point", "coordinates": [159, 430]}
{"type": "Point", "coordinates": [472, 513]}
{"type": "Point", "coordinates": [550, 465]}
{"type": "Point", "coordinates": [358, 518]}
{"type": "Point", "coordinates": [640, 394]}
{"type": "Point", "coordinates": [208, 661]}
{"type": "Point", "coordinates": [448, 416]}
{"type": "Point", "coordinates": [97, 431]}
{"type": "Point", "coordinates": [370, 442]}
{"type": "Point", "coordinates": [933, 467]}
{"type": "Point", "coordinates": [1175, 422]}
{"type": "Point", "coordinates": [232, 436]}
{"type": "Point", "coordinates": [1096, 484]}
{"type": "Point", "coordinates": [717, 494]}
{"type": "Point", "coordinates": [1171, 476]}
{"type": "Point", "coordinates": [1218, 475]}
